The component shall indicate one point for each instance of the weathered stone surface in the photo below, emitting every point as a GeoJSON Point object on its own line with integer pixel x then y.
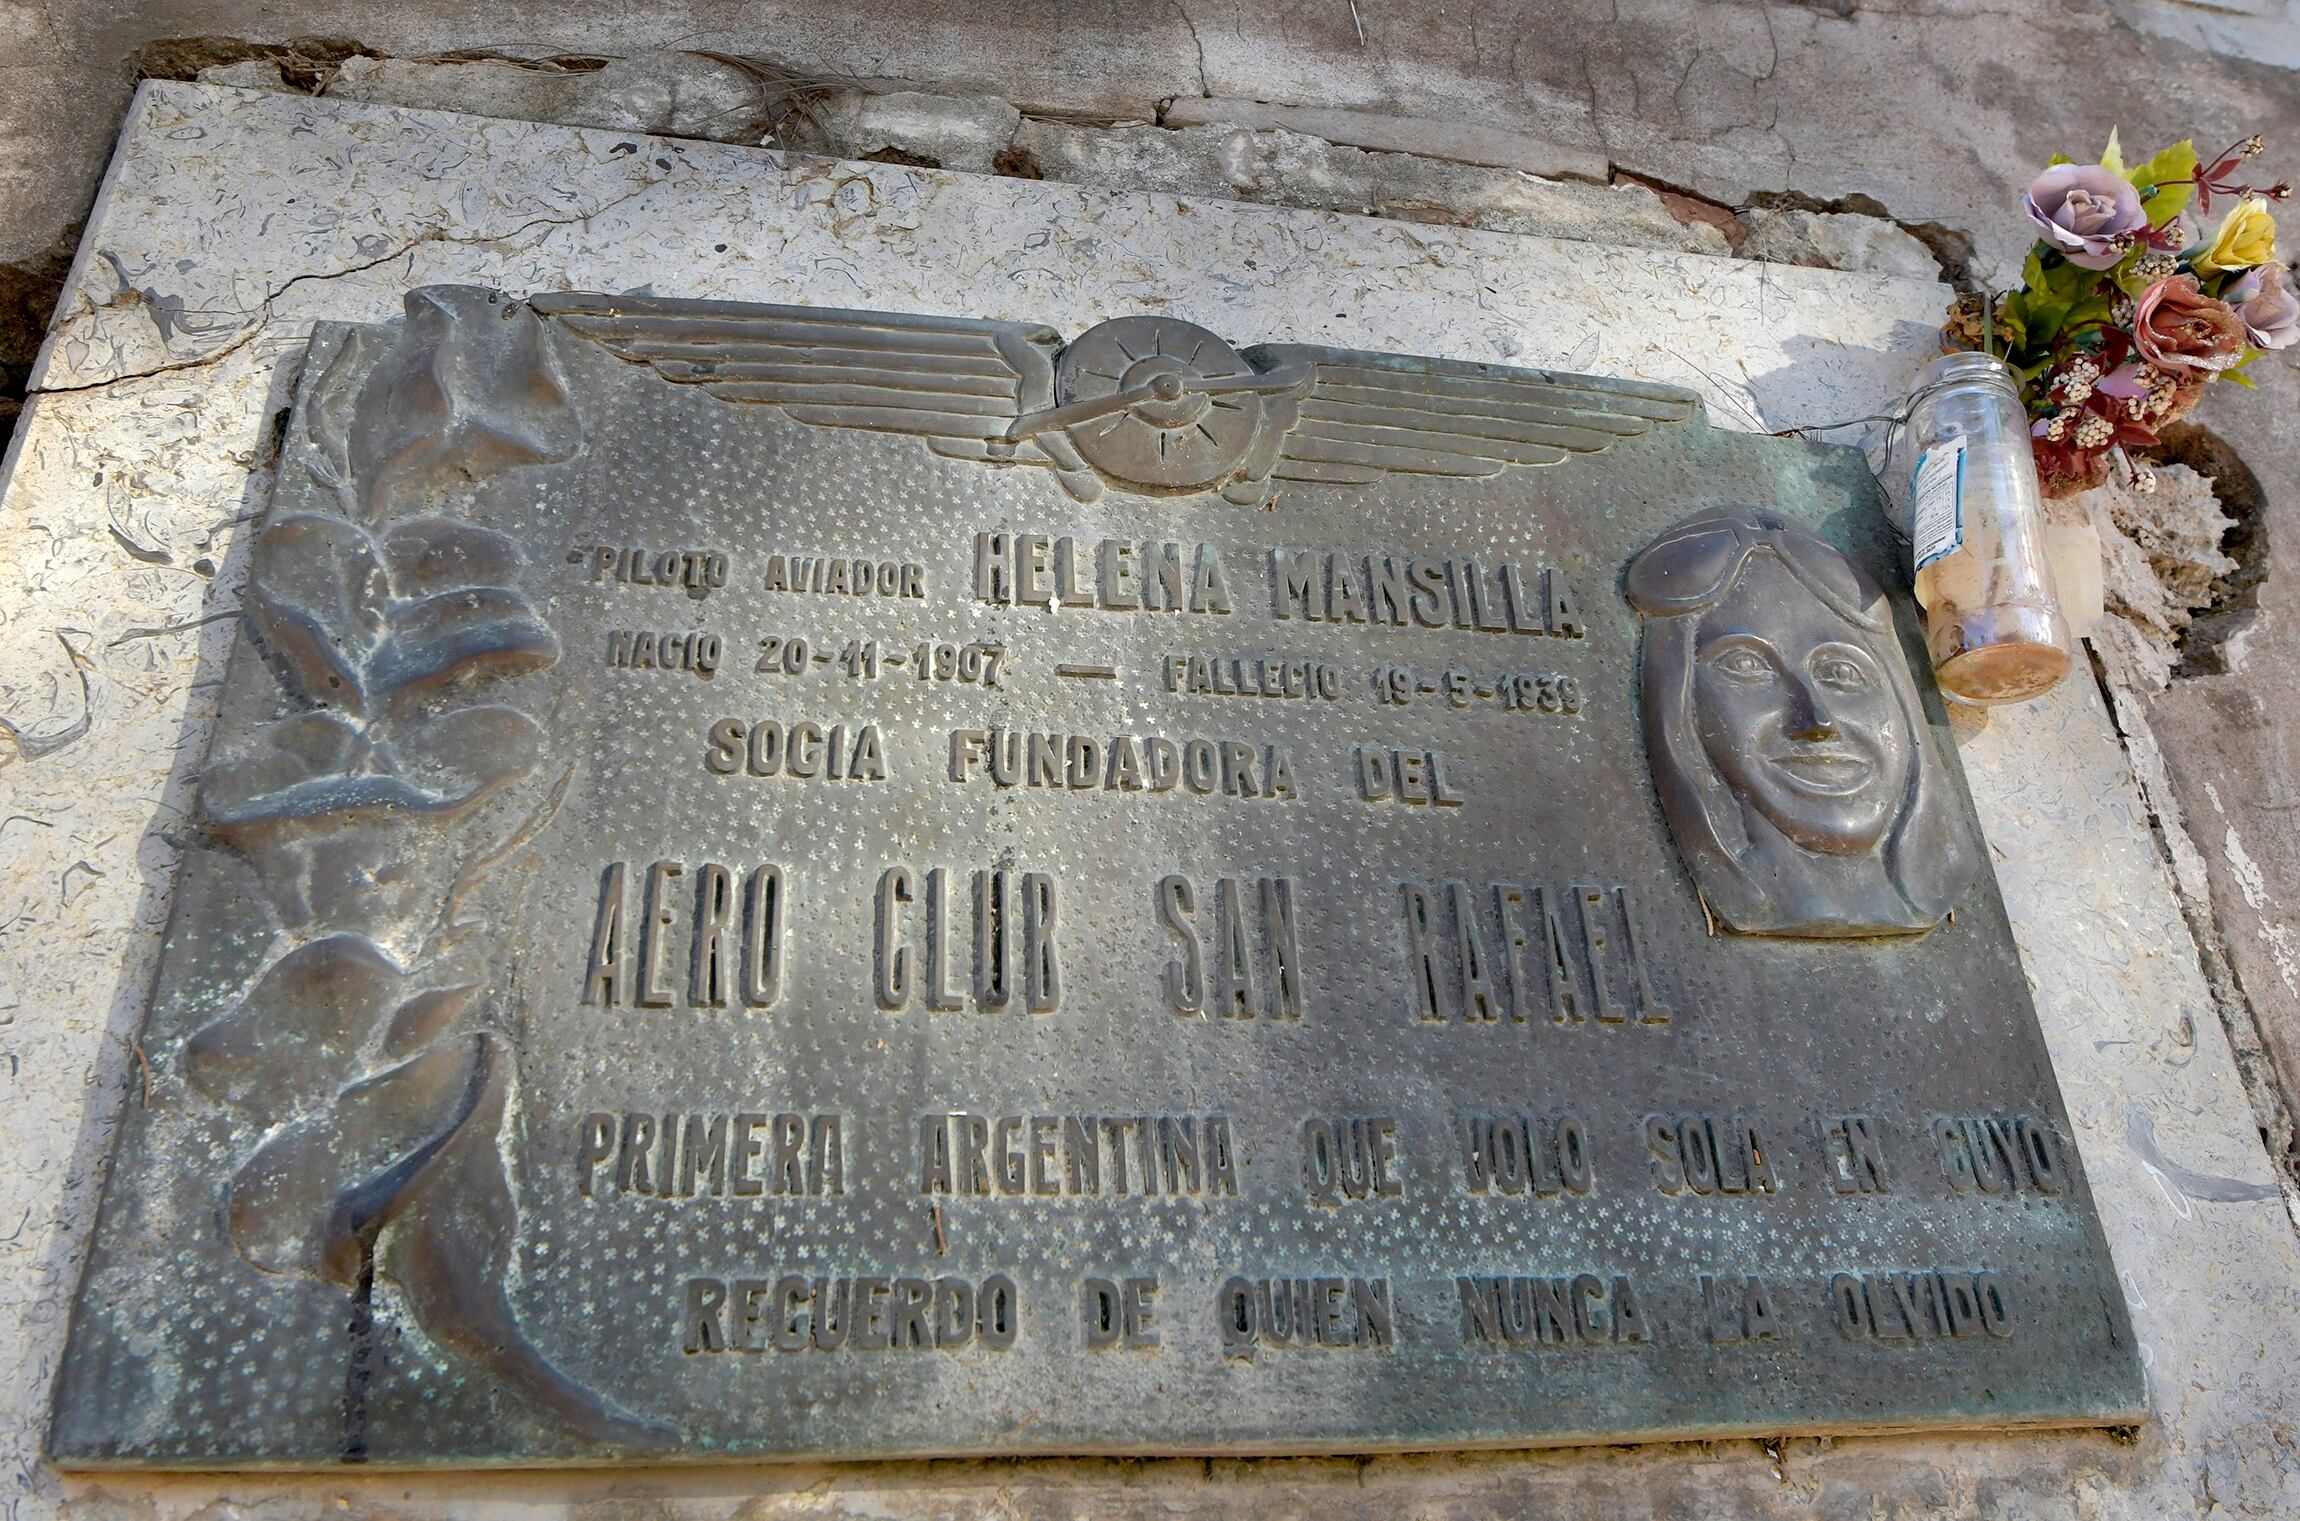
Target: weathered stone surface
{"type": "Point", "coordinates": [2263, 31]}
{"type": "Point", "coordinates": [676, 93]}
{"type": "Point", "coordinates": [1431, 137]}
{"type": "Point", "coordinates": [2160, 555]}
{"type": "Point", "coordinates": [247, 74]}
{"type": "Point", "coordinates": [2227, 732]}
{"type": "Point", "coordinates": [158, 429]}
{"type": "Point", "coordinates": [1836, 240]}
{"type": "Point", "coordinates": [1940, 114]}
{"type": "Point", "coordinates": [941, 131]}
{"type": "Point", "coordinates": [1286, 168]}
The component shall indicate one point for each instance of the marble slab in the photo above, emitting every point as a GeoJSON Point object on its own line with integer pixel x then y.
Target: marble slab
{"type": "Point", "coordinates": [231, 222]}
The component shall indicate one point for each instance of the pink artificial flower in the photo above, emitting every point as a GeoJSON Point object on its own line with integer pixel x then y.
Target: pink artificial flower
{"type": "Point", "coordinates": [2177, 327]}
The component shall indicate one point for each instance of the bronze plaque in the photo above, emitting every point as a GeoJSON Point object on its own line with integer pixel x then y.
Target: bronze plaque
{"type": "Point", "coordinates": [780, 883]}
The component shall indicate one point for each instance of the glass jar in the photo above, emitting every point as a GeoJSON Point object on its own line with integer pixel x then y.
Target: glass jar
{"type": "Point", "coordinates": [1966, 494]}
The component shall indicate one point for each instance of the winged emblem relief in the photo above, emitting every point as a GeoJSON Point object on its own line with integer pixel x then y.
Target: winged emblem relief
{"type": "Point", "coordinates": [1151, 405]}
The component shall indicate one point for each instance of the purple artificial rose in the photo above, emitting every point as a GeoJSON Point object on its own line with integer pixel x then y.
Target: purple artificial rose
{"type": "Point", "coordinates": [2089, 214]}
{"type": "Point", "coordinates": [2264, 300]}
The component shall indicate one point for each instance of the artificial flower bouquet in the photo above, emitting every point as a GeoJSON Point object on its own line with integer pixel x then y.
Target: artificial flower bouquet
{"type": "Point", "coordinates": [2126, 312]}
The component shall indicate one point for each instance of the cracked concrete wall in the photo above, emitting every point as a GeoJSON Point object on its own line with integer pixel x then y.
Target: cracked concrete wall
{"type": "Point", "coordinates": [1931, 112]}
{"type": "Point", "coordinates": [2230, 742]}
{"type": "Point", "coordinates": [1937, 110]}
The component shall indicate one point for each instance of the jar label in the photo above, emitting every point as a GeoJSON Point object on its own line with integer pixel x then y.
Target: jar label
{"type": "Point", "coordinates": [1937, 492]}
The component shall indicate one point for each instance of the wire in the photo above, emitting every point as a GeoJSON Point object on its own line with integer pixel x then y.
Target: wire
{"type": "Point", "coordinates": [1831, 427]}
{"type": "Point", "coordinates": [1894, 422]}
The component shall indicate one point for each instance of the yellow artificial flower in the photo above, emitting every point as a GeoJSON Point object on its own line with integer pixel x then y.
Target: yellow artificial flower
{"type": "Point", "coordinates": [2247, 237]}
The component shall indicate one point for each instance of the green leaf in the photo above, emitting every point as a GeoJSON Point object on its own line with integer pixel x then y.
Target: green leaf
{"type": "Point", "coordinates": [2073, 282]}
{"type": "Point", "coordinates": [2019, 309]}
{"type": "Point", "coordinates": [2042, 304]}
{"type": "Point", "coordinates": [2167, 200]}
{"type": "Point", "coordinates": [2112, 157]}
{"type": "Point", "coordinates": [2057, 160]}
{"type": "Point", "coordinates": [2175, 162]}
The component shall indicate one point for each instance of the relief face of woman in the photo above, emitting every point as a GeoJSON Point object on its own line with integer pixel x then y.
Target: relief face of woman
{"type": "Point", "coordinates": [1790, 750]}
{"type": "Point", "coordinates": [1796, 718]}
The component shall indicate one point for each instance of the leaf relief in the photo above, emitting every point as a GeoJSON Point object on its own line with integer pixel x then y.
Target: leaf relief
{"type": "Point", "coordinates": [316, 596]}
{"type": "Point", "coordinates": [471, 387]}
{"type": "Point", "coordinates": [480, 631]}
{"type": "Point", "coordinates": [329, 404]}
{"type": "Point", "coordinates": [312, 1198]}
{"type": "Point", "coordinates": [300, 1028]}
{"type": "Point", "coordinates": [362, 1055]}
{"type": "Point", "coordinates": [316, 768]}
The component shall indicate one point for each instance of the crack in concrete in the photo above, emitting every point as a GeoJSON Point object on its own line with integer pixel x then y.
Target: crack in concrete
{"type": "Point", "coordinates": [1684, 78]}
{"type": "Point", "coordinates": [1205, 89]}
{"type": "Point", "coordinates": [1589, 82]}
{"type": "Point", "coordinates": [238, 341]}
{"type": "Point", "coordinates": [261, 315]}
